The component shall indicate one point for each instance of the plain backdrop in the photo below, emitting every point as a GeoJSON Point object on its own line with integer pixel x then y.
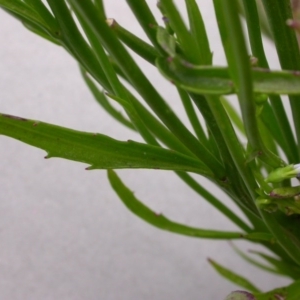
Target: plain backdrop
{"type": "Point", "coordinates": [64, 234]}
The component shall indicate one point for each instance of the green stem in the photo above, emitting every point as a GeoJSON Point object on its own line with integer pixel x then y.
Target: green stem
{"type": "Point", "coordinates": [186, 40]}
{"type": "Point", "coordinates": [234, 147]}
{"type": "Point", "coordinates": [239, 67]}
{"type": "Point", "coordinates": [278, 12]}
{"type": "Point", "coordinates": [75, 43]}
{"type": "Point", "coordinates": [192, 183]}
{"type": "Point", "coordinates": [44, 13]}
{"type": "Point", "coordinates": [189, 109]}
{"type": "Point", "coordinates": [198, 32]}
{"type": "Point", "coordinates": [289, 146]}
{"type": "Point", "coordinates": [143, 49]}
{"type": "Point", "coordinates": [146, 19]}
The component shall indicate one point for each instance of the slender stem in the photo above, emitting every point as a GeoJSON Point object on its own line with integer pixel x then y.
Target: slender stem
{"type": "Point", "coordinates": [233, 144]}
{"type": "Point", "coordinates": [75, 43]}
{"type": "Point", "coordinates": [100, 7]}
{"type": "Point", "coordinates": [192, 183]}
{"type": "Point", "coordinates": [146, 19]}
{"type": "Point", "coordinates": [188, 106]}
{"type": "Point", "coordinates": [289, 146]}
{"type": "Point", "coordinates": [278, 13]}
{"type": "Point", "coordinates": [143, 49]}
{"type": "Point", "coordinates": [186, 40]}
{"type": "Point", "coordinates": [239, 68]}
{"type": "Point", "coordinates": [198, 32]}
{"type": "Point", "coordinates": [44, 13]}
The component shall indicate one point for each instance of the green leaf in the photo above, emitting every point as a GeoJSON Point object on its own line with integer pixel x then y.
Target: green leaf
{"type": "Point", "coordinates": [101, 99]}
{"type": "Point", "coordinates": [166, 41]}
{"type": "Point", "coordinates": [158, 220]}
{"type": "Point", "coordinates": [290, 292]}
{"type": "Point", "coordinates": [284, 268]}
{"type": "Point", "coordinates": [198, 31]}
{"type": "Point", "coordinates": [233, 277]}
{"type": "Point", "coordinates": [140, 47]}
{"type": "Point", "coordinates": [233, 114]}
{"type": "Point", "coordinates": [255, 262]}
{"type": "Point", "coordinates": [23, 10]}
{"type": "Point", "coordinates": [186, 40]}
{"type": "Point", "coordinates": [216, 80]}
{"type": "Point", "coordinates": [100, 151]}
{"type": "Point", "coordinates": [144, 87]}
{"type": "Point", "coordinates": [261, 237]}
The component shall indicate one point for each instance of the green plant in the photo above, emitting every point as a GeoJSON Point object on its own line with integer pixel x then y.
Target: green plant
{"type": "Point", "coordinates": [252, 173]}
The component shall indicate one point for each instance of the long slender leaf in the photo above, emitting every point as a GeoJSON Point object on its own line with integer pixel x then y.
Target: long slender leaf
{"type": "Point", "coordinates": [192, 183]}
{"type": "Point", "coordinates": [290, 292]}
{"type": "Point", "coordinates": [101, 99]}
{"type": "Point", "coordinates": [278, 12]}
{"type": "Point", "coordinates": [252, 9]}
{"type": "Point", "coordinates": [100, 151]}
{"type": "Point", "coordinates": [282, 266]}
{"type": "Point", "coordinates": [20, 8]}
{"type": "Point", "coordinates": [198, 31]}
{"type": "Point", "coordinates": [234, 277]}
{"type": "Point", "coordinates": [186, 40]}
{"type": "Point", "coordinates": [255, 262]}
{"type": "Point", "coordinates": [158, 220]}
{"type": "Point", "coordinates": [143, 49]}
{"type": "Point", "coordinates": [233, 114]}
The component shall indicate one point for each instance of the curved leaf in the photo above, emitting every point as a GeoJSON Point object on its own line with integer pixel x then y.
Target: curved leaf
{"type": "Point", "coordinates": [160, 221]}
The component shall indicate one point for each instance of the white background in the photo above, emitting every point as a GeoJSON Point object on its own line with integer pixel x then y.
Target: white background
{"type": "Point", "coordinates": [64, 234]}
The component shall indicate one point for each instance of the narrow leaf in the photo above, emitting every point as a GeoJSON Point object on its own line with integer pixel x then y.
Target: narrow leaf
{"type": "Point", "coordinates": [158, 220]}
{"type": "Point", "coordinates": [166, 41]}
{"type": "Point", "coordinates": [140, 47]}
{"type": "Point", "coordinates": [100, 151]}
{"type": "Point", "coordinates": [23, 10]}
{"type": "Point", "coordinates": [233, 114]}
{"type": "Point", "coordinates": [198, 31]}
{"type": "Point", "coordinates": [290, 292]}
{"type": "Point", "coordinates": [255, 262]}
{"type": "Point", "coordinates": [261, 237]}
{"type": "Point", "coordinates": [101, 99]}
{"type": "Point", "coordinates": [284, 268]}
{"type": "Point", "coordinates": [233, 277]}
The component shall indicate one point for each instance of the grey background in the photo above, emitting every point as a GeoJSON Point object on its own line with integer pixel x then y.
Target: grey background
{"type": "Point", "coordinates": [64, 234]}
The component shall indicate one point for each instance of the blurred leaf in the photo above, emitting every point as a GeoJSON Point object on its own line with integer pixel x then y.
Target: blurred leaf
{"type": "Point", "coordinates": [290, 292]}
{"type": "Point", "coordinates": [261, 237]}
{"type": "Point", "coordinates": [285, 268]}
{"type": "Point", "coordinates": [158, 220]}
{"type": "Point", "coordinates": [166, 41]}
{"type": "Point", "coordinates": [20, 8]}
{"type": "Point", "coordinates": [216, 80]}
{"type": "Point", "coordinates": [233, 277]}
{"type": "Point", "coordinates": [254, 262]}
{"type": "Point", "coordinates": [101, 151]}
